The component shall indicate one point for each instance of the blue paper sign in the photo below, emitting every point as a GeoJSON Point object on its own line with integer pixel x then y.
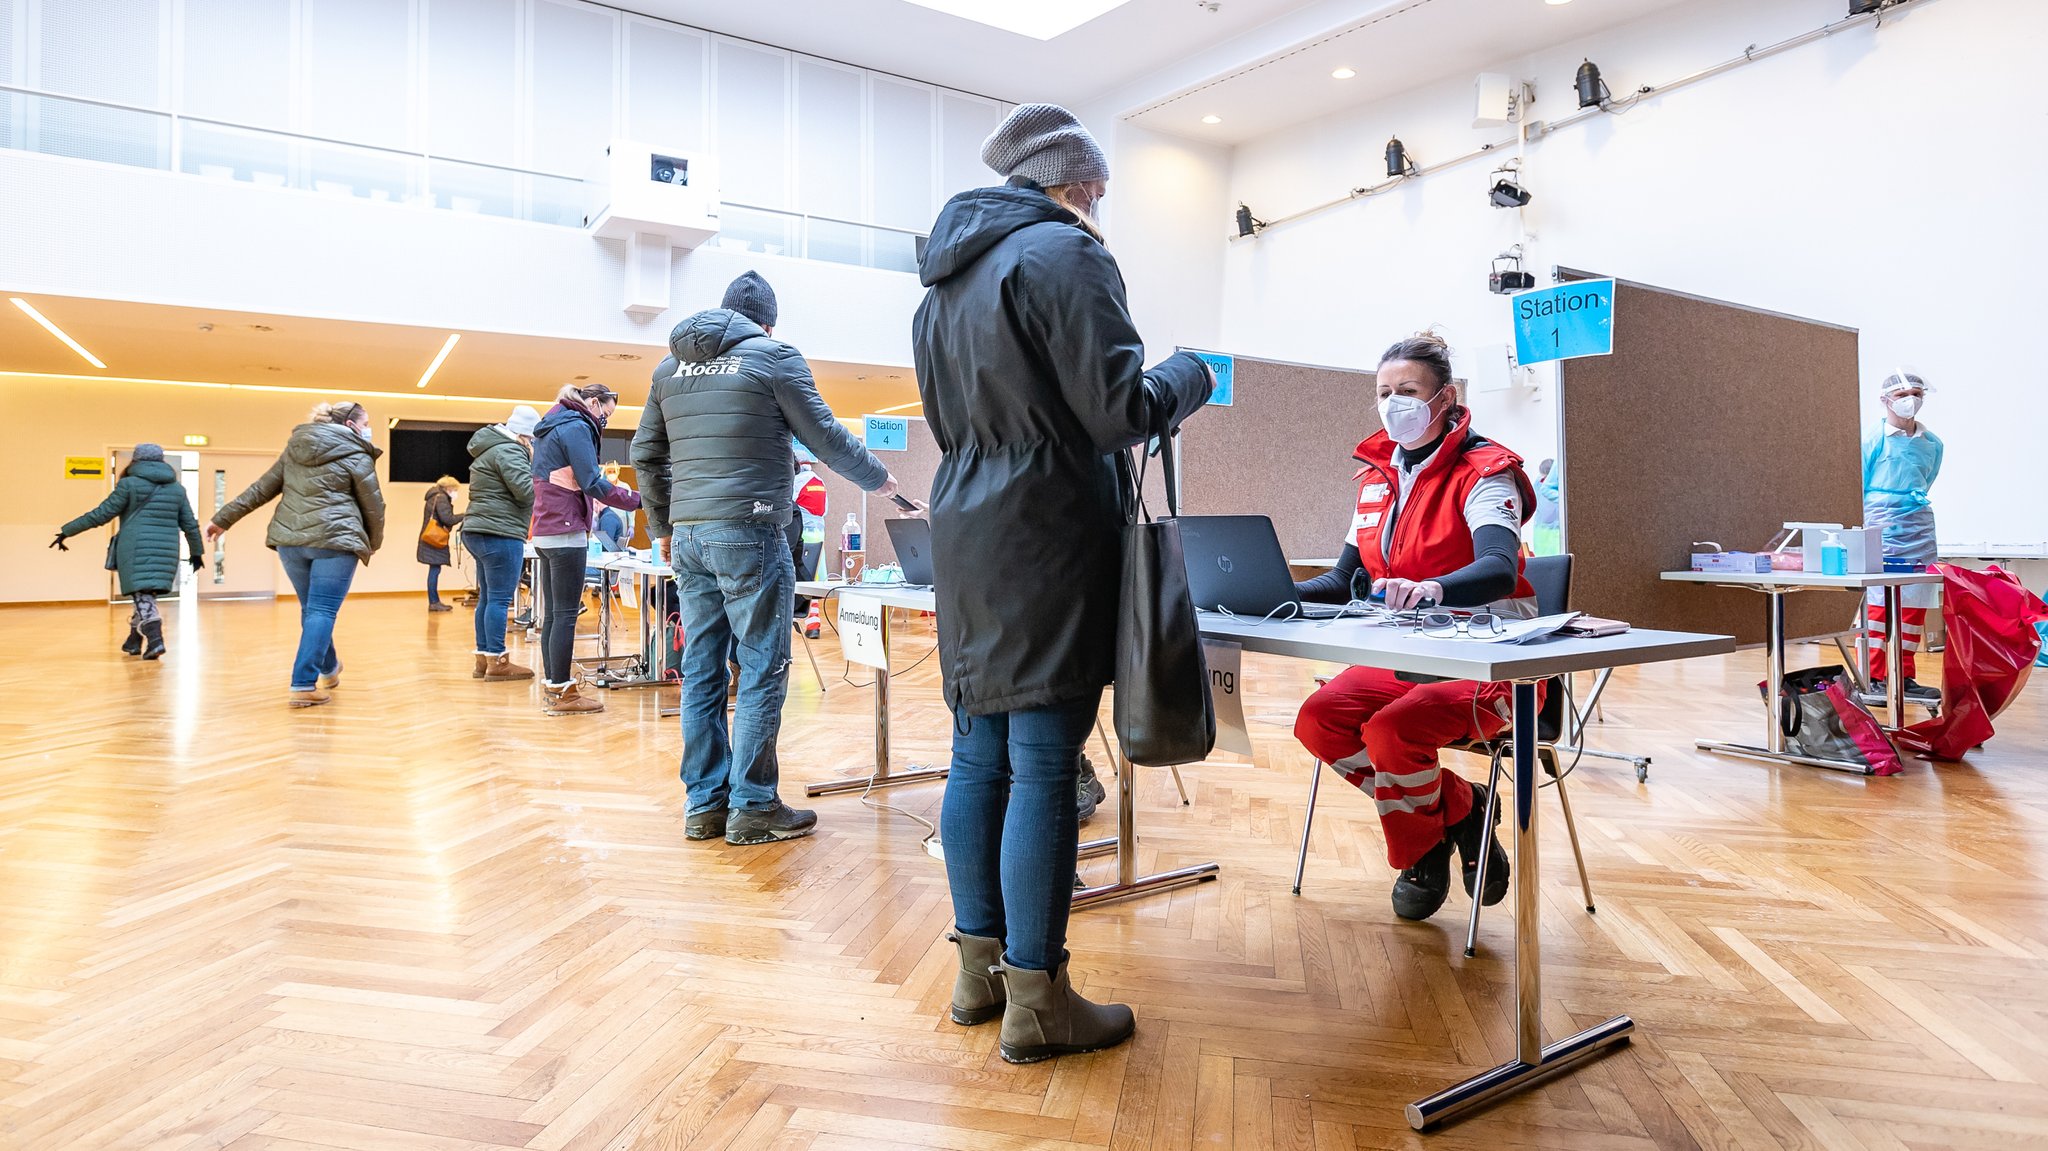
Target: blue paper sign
{"type": "Point", "coordinates": [887, 433]}
{"type": "Point", "coordinates": [1225, 369]}
{"type": "Point", "coordinates": [1564, 322]}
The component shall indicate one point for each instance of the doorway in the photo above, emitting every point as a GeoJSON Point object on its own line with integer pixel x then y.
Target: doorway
{"type": "Point", "coordinates": [187, 465]}
{"type": "Point", "coordinates": [239, 565]}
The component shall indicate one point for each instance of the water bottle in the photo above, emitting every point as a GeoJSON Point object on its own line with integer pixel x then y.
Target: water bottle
{"type": "Point", "coordinates": [852, 557]}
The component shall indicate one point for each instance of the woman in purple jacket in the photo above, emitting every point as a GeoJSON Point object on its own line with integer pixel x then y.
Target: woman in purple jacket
{"type": "Point", "coordinates": [567, 478]}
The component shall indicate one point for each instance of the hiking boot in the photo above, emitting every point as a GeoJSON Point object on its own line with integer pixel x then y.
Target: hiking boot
{"type": "Point", "coordinates": [1468, 834]}
{"type": "Point", "coordinates": [332, 679]}
{"type": "Point", "coordinates": [307, 697]}
{"type": "Point", "coordinates": [1089, 790]}
{"type": "Point", "coordinates": [501, 667]}
{"type": "Point", "coordinates": [568, 699]}
{"type": "Point", "coordinates": [482, 661]}
{"type": "Point", "coordinates": [153, 639]}
{"type": "Point", "coordinates": [705, 824]}
{"type": "Point", "coordinates": [748, 826]}
{"type": "Point", "coordinates": [1043, 1017]}
{"type": "Point", "coordinates": [1922, 692]}
{"type": "Point", "coordinates": [977, 992]}
{"type": "Point", "coordinates": [133, 644]}
{"type": "Point", "coordinates": [1421, 889]}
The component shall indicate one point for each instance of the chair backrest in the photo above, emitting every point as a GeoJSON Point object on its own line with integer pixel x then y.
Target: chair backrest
{"type": "Point", "coordinates": [1551, 577]}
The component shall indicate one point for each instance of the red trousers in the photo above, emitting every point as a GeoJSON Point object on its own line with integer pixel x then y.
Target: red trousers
{"type": "Point", "coordinates": [1913, 625]}
{"type": "Point", "coordinates": [1399, 727]}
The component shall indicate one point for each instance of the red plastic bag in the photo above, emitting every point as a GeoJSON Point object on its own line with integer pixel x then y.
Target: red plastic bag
{"type": "Point", "coordinates": [1989, 616]}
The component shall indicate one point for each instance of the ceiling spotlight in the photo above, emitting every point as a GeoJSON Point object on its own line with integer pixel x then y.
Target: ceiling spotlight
{"type": "Point", "coordinates": [1212, 119]}
{"type": "Point", "coordinates": [1399, 162]}
{"type": "Point", "coordinates": [1507, 190]}
{"type": "Point", "coordinates": [1343, 74]}
{"type": "Point", "coordinates": [1592, 89]}
{"type": "Point", "coordinates": [1557, 3]}
{"type": "Point", "coordinates": [1247, 224]}
{"type": "Point", "coordinates": [1864, 7]}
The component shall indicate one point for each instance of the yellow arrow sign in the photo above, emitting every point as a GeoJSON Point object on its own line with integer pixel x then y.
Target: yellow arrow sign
{"type": "Point", "coordinates": [85, 468]}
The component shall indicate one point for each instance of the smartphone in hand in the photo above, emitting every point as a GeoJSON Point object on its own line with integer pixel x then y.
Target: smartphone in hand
{"type": "Point", "coordinates": [904, 502]}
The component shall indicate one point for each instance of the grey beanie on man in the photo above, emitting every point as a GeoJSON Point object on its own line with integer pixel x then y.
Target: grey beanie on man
{"type": "Point", "coordinates": [1045, 144]}
{"type": "Point", "coordinates": [149, 453]}
{"type": "Point", "coordinates": [751, 297]}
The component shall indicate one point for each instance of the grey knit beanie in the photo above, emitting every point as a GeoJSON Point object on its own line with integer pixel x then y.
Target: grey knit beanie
{"type": "Point", "coordinates": [149, 453]}
{"type": "Point", "coordinates": [751, 297]}
{"type": "Point", "coordinates": [1044, 143]}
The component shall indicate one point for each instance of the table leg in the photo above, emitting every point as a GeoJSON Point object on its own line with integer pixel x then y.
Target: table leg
{"type": "Point", "coordinates": [1533, 1061]}
{"type": "Point", "coordinates": [1128, 881]}
{"type": "Point", "coordinates": [1894, 656]}
{"type": "Point", "coordinates": [1773, 747]}
{"type": "Point", "coordinates": [882, 776]}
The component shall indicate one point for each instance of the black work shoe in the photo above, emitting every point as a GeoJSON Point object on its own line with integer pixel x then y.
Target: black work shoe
{"type": "Point", "coordinates": [769, 824]}
{"type": "Point", "coordinates": [1421, 889]}
{"type": "Point", "coordinates": [705, 824]}
{"type": "Point", "coordinates": [1089, 792]}
{"type": "Point", "coordinates": [1921, 691]}
{"type": "Point", "coordinates": [1469, 834]}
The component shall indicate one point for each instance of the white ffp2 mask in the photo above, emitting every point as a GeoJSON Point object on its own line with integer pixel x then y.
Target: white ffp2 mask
{"type": "Point", "coordinates": [1905, 407]}
{"type": "Point", "coordinates": [1405, 418]}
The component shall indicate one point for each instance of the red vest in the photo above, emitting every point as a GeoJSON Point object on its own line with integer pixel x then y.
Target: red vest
{"type": "Point", "coordinates": [1430, 537]}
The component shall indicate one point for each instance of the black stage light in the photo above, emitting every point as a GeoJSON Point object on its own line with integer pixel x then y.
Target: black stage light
{"type": "Point", "coordinates": [1592, 90]}
{"type": "Point", "coordinates": [1506, 193]}
{"type": "Point", "coordinates": [1864, 7]}
{"type": "Point", "coordinates": [1399, 163]}
{"type": "Point", "coordinates": [1507, 276]}
{"type": "Point", "coordinates": [1245, 224]}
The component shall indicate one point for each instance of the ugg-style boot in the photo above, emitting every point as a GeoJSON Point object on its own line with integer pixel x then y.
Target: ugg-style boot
{"type": "Point", "coordinates": [501, 667]}
{"type": "Point", "coordinates": [482, 661]}
{"type": "Point", "coordinates": [1043, 1017]}
{"type": "Point", "coordinates": [977, 993]}
{"type": "Point", "coordinates": [568, 699]}
{"type": "Point", "coordinates": [153, 639]}
{"type": "Point", "coordinates": [133, 644]}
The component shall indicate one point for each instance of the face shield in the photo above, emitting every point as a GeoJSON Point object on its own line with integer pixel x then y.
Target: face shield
{"type": "Point", "coordinates": [1904, 391]}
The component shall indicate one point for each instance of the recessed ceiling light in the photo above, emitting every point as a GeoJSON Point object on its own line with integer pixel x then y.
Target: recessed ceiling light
{"type": "Point", "coordinates": [1557, 3]}
{"type": "Point", "coordinates": [1040, 19]}
{"type": "Point", "coordinates": [1212, 119]}
{"type": "Point", "coordinates": [29, 309]}
{"type": "Point", "coordinates": [618, 356]}
{"type": "Point", "coordinates": [439, 356]}
{"type": "Point", "coordinates": [1343, 74]}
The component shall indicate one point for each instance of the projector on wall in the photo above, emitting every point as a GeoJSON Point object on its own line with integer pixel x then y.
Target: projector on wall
{"type": "Point", "coordinates": [656, 200]}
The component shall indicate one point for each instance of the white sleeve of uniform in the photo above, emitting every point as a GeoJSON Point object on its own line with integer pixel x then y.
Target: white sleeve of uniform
{"type": "Point", "coordinates": [1495, 500]}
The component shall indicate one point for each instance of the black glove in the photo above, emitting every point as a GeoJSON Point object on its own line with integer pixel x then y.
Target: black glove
{"type": "Point", "coordinates": [198, 563]}
{"type": "Point", "coordinates": [58, 543]}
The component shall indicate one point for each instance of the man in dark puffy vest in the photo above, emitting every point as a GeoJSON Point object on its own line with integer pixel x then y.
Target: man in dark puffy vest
{"type": "Point", "coordinates": [714, 456]}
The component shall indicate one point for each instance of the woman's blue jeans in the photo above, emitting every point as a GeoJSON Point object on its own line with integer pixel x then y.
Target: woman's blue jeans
{"type": "Point", "coordinates": [497, 576]}
{"type": "Point", "coordinates": [1010, 828]}
{"type": "Point", "coordinates": [320, 577]}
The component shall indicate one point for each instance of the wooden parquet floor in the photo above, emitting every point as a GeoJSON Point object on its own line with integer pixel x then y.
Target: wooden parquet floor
{"type": "Point", "coordinates": [428, 916]}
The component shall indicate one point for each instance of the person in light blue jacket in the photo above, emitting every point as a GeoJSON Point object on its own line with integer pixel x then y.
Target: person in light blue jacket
{"type": "Point", "coordinates": [1901, 459]}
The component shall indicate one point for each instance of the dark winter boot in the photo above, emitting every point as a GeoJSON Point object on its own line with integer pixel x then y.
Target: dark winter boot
{"type": "Point", "coordinates": [153, 639]}
{"type": "Point", "coordinates": [1474, 835]}
{"type": "Point", "coordinates": [133, 644]}
{"type": "Point", "coordinates": [977, 992]}
{"type": "Point", "coordinates": [1043, 1017]}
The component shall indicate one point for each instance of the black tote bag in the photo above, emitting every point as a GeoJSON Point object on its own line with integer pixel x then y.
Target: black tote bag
{"type": "Point", "coordinates": [1164, 715]}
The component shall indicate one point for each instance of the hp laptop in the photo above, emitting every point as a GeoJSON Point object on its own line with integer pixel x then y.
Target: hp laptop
{"type": "Point", "coordinates": [1235, 565]}
{"type": "Point", "coordinates": [912, 539]}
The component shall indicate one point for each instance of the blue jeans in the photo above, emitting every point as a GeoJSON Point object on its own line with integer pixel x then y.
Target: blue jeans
{"type": "Point", "coordinates": [497, 577]}
{"type": "Point", "coordinates": [320, 577]}
{"type": "Point", "coordinates": [734, 583]}
{"type": "Point", "coordinates": [1010, 828]}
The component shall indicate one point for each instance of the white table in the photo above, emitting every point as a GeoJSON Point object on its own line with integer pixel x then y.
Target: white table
{"type": "Point", "coordinates": [648, 673]}
{"type": "Point", "coordinates": [1775, 586]}
{"type": "Point", "coordinates": [1398, 649]}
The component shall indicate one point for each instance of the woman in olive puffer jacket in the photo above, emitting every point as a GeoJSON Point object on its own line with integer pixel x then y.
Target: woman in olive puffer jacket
{"type": "Point", "coordinates": [330, 515]}
{"type": "Point", "coordinates": [154, 513]}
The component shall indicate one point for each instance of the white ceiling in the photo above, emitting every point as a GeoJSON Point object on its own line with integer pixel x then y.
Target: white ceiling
{"type": "Point", "coordinates": [1398, 48]}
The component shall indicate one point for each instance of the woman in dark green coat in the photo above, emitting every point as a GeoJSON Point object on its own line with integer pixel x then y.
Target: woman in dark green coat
{"type": "Point", "coordinates": [153, 511]}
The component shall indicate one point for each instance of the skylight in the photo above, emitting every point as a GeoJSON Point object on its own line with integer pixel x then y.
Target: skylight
{"type": "Point", "coordinates": [1038, 19]}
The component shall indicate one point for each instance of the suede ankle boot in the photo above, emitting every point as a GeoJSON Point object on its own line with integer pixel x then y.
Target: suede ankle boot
{"type": "Point", "coordinates": [476, 671]}
{"type": "Point", "coordinates": [501, 667]}
{"type": "Point", "coordinates": [977, 993]}
{"type": "Point", "coordinates": [1043, 1017]}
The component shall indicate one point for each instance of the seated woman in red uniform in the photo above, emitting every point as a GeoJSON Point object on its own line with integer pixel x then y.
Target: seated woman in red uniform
{"type": "Point", "coordinates": [1438, 523]}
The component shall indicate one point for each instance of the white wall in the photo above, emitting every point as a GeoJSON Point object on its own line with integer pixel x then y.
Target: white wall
{"type": "Point", "coordinates": [1166, 196]}
{"type": "Point", "coordinates": [1887, 180]}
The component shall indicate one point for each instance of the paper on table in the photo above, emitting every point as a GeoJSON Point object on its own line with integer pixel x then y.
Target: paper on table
{"type": "Point", "coordinates": [1523, 630]}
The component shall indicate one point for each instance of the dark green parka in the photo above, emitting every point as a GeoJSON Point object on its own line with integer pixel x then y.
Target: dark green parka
{"type": "Point", "coordinates": [326, 489]}
{"type": "Point", "coordinates": [500, 485]}
{"type": "Point", "coordinates": [153, 511]}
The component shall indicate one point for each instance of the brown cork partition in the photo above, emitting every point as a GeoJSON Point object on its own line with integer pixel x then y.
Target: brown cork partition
{"type": "Point", "coordinates": [1283, 449]}
{"type": "Point", "coordinates": [1709, 422]}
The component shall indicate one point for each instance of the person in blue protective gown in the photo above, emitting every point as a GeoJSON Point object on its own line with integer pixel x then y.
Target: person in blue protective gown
{"type": "Point", "coordinates": [1901, 458]}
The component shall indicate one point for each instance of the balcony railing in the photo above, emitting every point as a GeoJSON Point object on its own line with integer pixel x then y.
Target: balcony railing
{"type": "Point", "coordinates": [114, 133]}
